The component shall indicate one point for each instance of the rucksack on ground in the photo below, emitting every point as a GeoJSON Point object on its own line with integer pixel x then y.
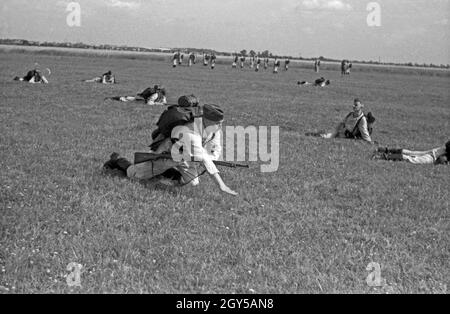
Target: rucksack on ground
{"type": "Point", "coordinates": [183, 113]}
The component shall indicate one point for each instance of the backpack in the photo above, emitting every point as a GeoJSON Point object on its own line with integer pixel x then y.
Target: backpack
{"type": "Point", "coordinates": [356, 133]}
{"type": "Point", "coordinates": [183, 113]}
{"type": "Point", "coordinates": [146, 94]}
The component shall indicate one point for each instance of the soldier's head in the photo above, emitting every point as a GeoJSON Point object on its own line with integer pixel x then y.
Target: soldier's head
{"type": "Point", "coordinates": [213, 116]}
{"type": "Point", "coordinates": [357, 106]}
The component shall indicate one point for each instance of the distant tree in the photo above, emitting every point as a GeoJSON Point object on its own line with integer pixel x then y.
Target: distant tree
{"type": "Point", "coordinates": [265, 54]}
{"type": "Point", "coordinates": [244, 53]}
{"type": "Point", "coordinates": [252, 53]}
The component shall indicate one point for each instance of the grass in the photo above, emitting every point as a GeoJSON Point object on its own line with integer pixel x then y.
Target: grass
{"type": "Point", "coordinates": [311, 227]}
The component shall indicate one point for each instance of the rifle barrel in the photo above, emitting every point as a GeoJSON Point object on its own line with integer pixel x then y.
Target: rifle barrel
{"type": "Point", "coordinates": [143, 157]}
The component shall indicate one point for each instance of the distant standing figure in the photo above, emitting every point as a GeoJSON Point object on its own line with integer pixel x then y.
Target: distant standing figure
{"type": "Point", "coordinates": [317, 66]}
{"type": "Point", "coordinates": [180, 59]}
{"type": "Point", "coordinates": [349, 67]}
{"type": "Point", "coordinates": [286, 64]}
{"type": "Point", "coordinates": [276, 65]}
{"type": "Point", "coordinates": [235, 61]}
{"type": "Point", "coordinates": [205, 59]}
{"type": "Point", "coordinates": [258, 64]}
{"type": "Point", "coordinates": [242, 61]}
{"type": "Point", "coordinates": [345, 67]}
{"type": "Point", "coordinates": [266, 63]}
{"type": "Point", "coordinates": [213, 61]}
{"type": "Point", "coordinates": [175, 58]}
{"type": "Point", "coordinates": [191, 59]}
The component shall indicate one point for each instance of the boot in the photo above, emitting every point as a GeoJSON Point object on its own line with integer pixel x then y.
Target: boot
{"type": "Point", "coordinates": [111, 164]}
{"type": "Point", "coordinates": [115, 162]}
{"type": "Point", "coordinates": [395, 151]}
{"type": "Point", "coordinates": [123, 164]}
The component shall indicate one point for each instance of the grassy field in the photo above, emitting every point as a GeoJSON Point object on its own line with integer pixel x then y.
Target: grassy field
{"type": "Point", "coordinates": [311, 227]}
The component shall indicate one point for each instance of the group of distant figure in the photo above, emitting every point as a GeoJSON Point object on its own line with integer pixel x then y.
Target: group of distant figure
{"type": "Point", "coordinates": [255, 63]}
{"type": "Point", "coordinates": [209, 59]}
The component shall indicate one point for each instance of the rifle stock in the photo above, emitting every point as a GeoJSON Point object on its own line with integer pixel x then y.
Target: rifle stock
{"type": "Point", "coordinates": [144, 157]}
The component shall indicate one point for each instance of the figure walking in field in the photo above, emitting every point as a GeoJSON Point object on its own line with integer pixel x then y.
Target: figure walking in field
{"type": "Point", "coordinates": [242, 61]}
{"type": "Point", "coordinates": [286, 64]}
{"type": "Point", "coordinates": [153, 96]}
{"type": "Point", "coordinates": [258, 64]}
{"type": "Point", "coordinates": [439, 155]}
{"type": "Point", "coordinates": [356, 125]}
{"type": "Point", "coordinates": [317, 65]}
{"type": "Point", "coordinates": [345, 67]}
{"type": "Point", "coordinates": [213, 61]}
{"type": "Point", "coordinates": [196, 148]}
{"type": "Point", "coordinates": [235, 61]}
{"type": "Point", "coordinates": [206, 58]}
{"type": "Point", "coordinates": [107, 78]}
{"type": "Point", "coordinates": [176, 59]}
{"type": "Point", "coordinates": [191, 59]}
{"type": "Point", "coordinates": [33, 77]}
{"type": "Point", "coordinates": [276, 65]}
{"type": "Point", "coordinates": [266, 63]}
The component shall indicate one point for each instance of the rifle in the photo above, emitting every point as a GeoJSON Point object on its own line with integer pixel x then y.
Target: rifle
{"type": "Point", "coordinates": [144, 157]}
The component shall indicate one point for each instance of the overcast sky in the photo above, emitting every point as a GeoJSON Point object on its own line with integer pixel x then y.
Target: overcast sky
{"type": "Point", "coordinates": [411, 30]}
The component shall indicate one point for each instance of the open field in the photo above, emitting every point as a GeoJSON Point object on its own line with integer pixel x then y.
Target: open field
{"type": "Point", "coordinates": [311, 227]}
{"type": "Point", "coordinates": [158, 56]}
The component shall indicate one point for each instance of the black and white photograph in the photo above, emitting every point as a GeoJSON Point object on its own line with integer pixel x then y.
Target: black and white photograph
{"type": "Point", "coordinates": [242, 149]}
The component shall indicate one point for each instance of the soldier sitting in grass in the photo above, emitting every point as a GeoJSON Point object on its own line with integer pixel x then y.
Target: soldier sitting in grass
{"type": "Point", "coordinates": [356, 125]}
{"type": "Point", "coordinates": [152, 96]}
{"type": "Point", "coordinates": [33, 76]}
{"type": "Point", "coordinates": [439, 155]}
{"type": "Point", "coordinates": [107, 78]}
{"type": "Point", "coordinates": [194, 149]}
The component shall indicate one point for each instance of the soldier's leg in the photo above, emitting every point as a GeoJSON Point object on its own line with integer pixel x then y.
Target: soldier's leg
{"type": "Point", "coordinates": [189, 173]}
{"type": "Point", "coordinates": [150, 169]}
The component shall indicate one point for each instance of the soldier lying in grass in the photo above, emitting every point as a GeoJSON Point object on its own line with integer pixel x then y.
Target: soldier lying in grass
{"type": "Point", "coordinates": [320, 82]}
{"type": "Point", "coordinates": [152, 96]}
{"type": "Point", "coordinates": [107, 78]}
{"type": "Point", "coordinates": [193, 148]}
{"type": "Point", "coordinates": [33, 76]}
{"type": "Point", "coordinates": [439, 155]}
{"type": "Point", "coordinates": [356, 125]}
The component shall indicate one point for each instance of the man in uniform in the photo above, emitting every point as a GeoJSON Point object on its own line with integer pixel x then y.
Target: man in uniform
{"type": "Point", "coordinates": [193, 144]}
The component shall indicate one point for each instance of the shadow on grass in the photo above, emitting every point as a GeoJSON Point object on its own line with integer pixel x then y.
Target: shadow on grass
{"type": "Point", "coordinates": [153, 184]}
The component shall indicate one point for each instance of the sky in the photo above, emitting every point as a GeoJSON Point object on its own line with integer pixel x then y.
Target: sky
{"type": "Point", "coordinates": [409, 30]}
